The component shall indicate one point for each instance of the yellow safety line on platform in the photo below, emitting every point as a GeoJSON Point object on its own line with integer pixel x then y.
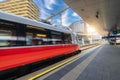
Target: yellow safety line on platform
{"type": "Point", "coordinates": [53, 68]}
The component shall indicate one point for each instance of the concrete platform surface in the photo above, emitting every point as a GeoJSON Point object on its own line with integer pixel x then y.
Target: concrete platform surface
{"type": "Point", "coordinates": [101, 63]}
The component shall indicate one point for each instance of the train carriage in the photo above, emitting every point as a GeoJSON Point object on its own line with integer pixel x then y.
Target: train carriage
{"type": "Point", "coordinates": [24, 41]}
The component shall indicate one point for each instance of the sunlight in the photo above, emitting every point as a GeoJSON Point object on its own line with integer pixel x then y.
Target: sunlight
{"type": "Point", "coordinates": [90, 29]}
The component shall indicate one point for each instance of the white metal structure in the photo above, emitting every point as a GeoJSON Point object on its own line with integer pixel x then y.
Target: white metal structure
{"type": "Point", "coordinates": [60, 11]}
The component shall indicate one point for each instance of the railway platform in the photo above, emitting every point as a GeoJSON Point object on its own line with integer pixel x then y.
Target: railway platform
{"type": "Point", "coordinates": [98, 63]}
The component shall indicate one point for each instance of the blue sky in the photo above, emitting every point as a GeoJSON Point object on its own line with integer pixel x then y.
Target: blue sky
{"type": "Point", "coordinates": [48, 7]}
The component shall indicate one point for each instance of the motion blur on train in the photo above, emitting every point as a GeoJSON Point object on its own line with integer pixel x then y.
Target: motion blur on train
{"type": "Point", "coordinates": [24, 41]}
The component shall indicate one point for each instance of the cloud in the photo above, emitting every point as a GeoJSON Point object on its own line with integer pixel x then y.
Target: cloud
{"type": "Point", "coordinates": [65, 18]}
{"type": "Point", "coordinates": [56, 22]}
{"type": "Point", "coordinates": [45, 6]}
{"type": "Point", "coordinates": [62, 17]}
{"type": "Point", "coordinates": [42, 7]}
{"type": "Point", "coordinates": [74, 14]}
{"type": "Point", "coordinates": [44, 14]}
{"type": "Point", "coordinates": [49, 3]}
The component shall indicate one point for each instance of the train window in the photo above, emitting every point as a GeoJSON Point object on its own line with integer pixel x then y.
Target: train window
{"type": "Point", "coordinates": [40, 39]}
{"type": "Point", "coordinates": [75, 39]}
{"type": "Point", "coordinates": [56, 37]}
{"type": "Point", "coordinates": [38, 36]}
{"type": "Point", "coordinates": [6, 38]}
{"type": "Point", "coordinates": [12, 34]}
{"type": "Point", "coordinates": [29, 37]}
{"type": "Point", "coordinates": [67, 38]}
{"type": "Point", "coordinates": [3, 38]}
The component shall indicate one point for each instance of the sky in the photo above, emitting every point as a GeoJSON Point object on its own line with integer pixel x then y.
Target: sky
{"type": "Point", "coordinates": [48, 7]}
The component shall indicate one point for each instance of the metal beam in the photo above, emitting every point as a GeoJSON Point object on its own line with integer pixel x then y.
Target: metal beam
{"type": "Point", "coordinates": [60, 11]}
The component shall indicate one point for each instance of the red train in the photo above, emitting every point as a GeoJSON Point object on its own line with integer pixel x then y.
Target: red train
{"type": "Point", "coordinates": [24, 41]}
